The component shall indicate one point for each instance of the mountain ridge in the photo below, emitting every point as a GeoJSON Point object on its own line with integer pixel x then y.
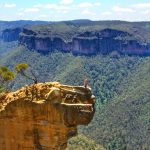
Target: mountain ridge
{"type": "Point", "coordinates": [84, 37]}
{"type": "Point", "coordinates": [119, 82]}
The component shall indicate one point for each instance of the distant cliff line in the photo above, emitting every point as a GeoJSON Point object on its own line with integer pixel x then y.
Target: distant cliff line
{"type": "Point", "coordinates": [87, 42]}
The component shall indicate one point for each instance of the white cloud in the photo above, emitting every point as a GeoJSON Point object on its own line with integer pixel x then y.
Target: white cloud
{"type": "Point", "coordinates": [88, 4]}
{"type": "Point", "coordinates": [43, 16]}
{"type": "Point", "coordinates": [142, 5]}
{"type": "Point", "coordinates": [119, 9]}
{"type": "Point", "coordinates": [71, 9]}
{"type": "Point", "coordinates": [106, 13]}
{"type": "Point", "coordinates": [31, 9]}
{"type": "Point", "coordinates": [20, 14]}
{"type": "Point", "coordinates": [9, 5]}
{"type": "Point", "coordinates": [146, 12]}
{"type": "Point", "coordinates": [64, 12]}
{"type": "Point", "coordinates": [66, 2]}
{"type": "Point", "coordinates": [85, 4]}
{"type": "Point", "coordinates": [97, 4]}
{"type": "Point", "coordinates": [51, 6]}
{"type": "Point", "coordinates": [38, 6]}
{"type": "Point", "coordinates": [87, 12]}
{"type": "Point", "coordinates": [63, 8]}
{"type": "Point", "coordinates": [60, 8]}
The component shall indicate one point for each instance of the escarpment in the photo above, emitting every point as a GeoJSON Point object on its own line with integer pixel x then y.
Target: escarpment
{"type": "Point", "coordinates": [104, 41]}
{"type": "Point", "coordinates": [85, 38]}
{"type": "Point", "coordinates": [9, 35]}
{"type": "Point", "coordinates": [43, 116]}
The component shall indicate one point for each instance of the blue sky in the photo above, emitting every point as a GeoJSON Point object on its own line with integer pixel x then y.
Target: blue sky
{"type": "Point", "coordinates": [56, 10]}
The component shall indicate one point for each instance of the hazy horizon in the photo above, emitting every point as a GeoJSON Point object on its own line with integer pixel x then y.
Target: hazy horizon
{"type": "Point", "coordinates": [74, 20]}
{"type": "Point", "coordinates": [60, 10]}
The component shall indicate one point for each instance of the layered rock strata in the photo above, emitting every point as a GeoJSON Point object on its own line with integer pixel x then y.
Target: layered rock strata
{"type": "Point", "coordinates": [9, 35]}
{"type": "Point", "coordinates": [104, 41]}
{"type": "Point", "coordinates": [43, 116]}
{"type": "Point", "coordinates": [87, 43]}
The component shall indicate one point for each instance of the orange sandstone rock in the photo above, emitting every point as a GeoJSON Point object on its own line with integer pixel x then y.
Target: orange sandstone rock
{"type": "Point", "coordinates": [43, 116]}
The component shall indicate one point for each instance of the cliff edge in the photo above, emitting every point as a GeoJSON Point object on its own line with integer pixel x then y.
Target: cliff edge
{"type": "Point", "coordinates": [84, 37]}
{"type": "Point", "coordinates": [103, 41]}
{"type": "Point", "coordinates": [43, 116]}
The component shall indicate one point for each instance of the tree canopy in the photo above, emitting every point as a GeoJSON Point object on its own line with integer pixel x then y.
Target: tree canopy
{"type": "Point", "coordinates": [5, 77]}
{"type": "Point", "coordinates": [22, 70]}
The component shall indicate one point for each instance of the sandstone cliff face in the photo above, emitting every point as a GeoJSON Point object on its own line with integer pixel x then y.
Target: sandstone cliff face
{"type": "Point", "coordinates": [10, 35]}
{"type": "Point", "coordinates": [104, 41]}
{"type": "Point", "coordinates": [43, 116]}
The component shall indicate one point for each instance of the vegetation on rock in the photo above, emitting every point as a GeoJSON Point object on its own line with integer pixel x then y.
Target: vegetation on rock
{"type": "Point", "coordinates": [120, 84]}
{"type": "Point", "coordinates": [5, 77]}
{"type": "Point", "coordinates": [81, 142]}
{"type": "Point", "coordinates": [104, 73]}
{"type": "Point", "coordinates": [6, 47]}
{"type": "Point", "coordinates": [21, 69]}
{"type": "Point", "coordinates": [68, 29]}
{"type": "Point", "coordinates": [43, 109]}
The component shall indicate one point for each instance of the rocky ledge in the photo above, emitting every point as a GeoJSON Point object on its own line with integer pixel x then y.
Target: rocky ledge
{"type": "Point", "coordinates": [86, 42]}
{"type": "Point", "coordinates": [9, 35]}
{"type": "Point", "coordinates": [104, 41]}
{"type": "Point", "coordinates": [43, 116]}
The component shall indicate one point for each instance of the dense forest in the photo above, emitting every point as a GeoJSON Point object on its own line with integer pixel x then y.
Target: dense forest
{"type": "Point", "coordinates": [124, 122]}
{"type": "Point", "coordinates": [68, 29]}
{"type": "Point", "coordinates": [120, 83]}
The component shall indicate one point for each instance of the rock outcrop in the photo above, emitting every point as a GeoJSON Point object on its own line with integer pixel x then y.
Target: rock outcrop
{"type": "Point", "coordinates": [86, 42]}
{"type": "Point", "coordinates": [9, 35]}
{"type": "Point", "coordinates": [105, 41]}
{"type": "Point", "coordinates": [43, 116]}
